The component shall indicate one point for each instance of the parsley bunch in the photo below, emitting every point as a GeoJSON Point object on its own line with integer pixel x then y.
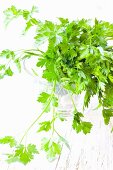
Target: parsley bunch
{"type": "Point", "coordinates": [79, 59]}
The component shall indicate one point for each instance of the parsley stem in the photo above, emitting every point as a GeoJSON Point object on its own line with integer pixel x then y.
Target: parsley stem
{"type": "Point", "coordinates": [48, 103]}
{"type": "Point", "coordinates": [53, 121]}
{"type": "Point", "coordinates": [73, 102]}
{"type": "Point", "coordinates": [57, 133]}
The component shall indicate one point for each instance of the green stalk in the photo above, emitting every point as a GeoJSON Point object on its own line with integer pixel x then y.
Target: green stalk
{"type": "Point", "coordinates": [53, 121]}
{"type": "Point", "coordinates": [73, 103]}
{"type": "Point", "coordinates": [48, 103]}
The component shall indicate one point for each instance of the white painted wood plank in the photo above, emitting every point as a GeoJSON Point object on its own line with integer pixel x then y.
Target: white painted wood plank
{"type": "Point", "coordinates": [89, 152]}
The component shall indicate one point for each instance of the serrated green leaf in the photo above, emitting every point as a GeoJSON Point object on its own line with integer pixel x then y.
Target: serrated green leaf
{"type": "Point", "coordinates": [8, 72]}
{"type": "Point", "coordinates": [80, 125]}
{"type": "Point", "coordinates": [31, 148]}
{"type": "Point", "coordinates": [28, 26]}
{"type": "Point", "coordinates": [34, 9]}
{"type": "Point", "coordinates": [110, 77]}
{"type": "Point", "coordinates": [77, 126]}
{"type": "Point", "coordinates": [31, 22]}
{"type": "Point", "coordinates": [63, 20]}
{"type": "Point", "coordinates": [108, 95]}
{"type": "Point", "coordinates": [8, 54]}
{"type": "Point", "coordinates": [13, 12]}
{"type": "Point", "coordinates": [8, 140]}
{"type": "Point", "coordinates": [18, 64]}
{"type": "Point", "coordinates": [41, 62]}
{"type": "Point", "coordinates": [43, 97]}
{"type": "Point", "coordinates": [87, 97]}
{"type": "Point", "coordinates": [55, 101]}
{"type": "Point", "coordinates": [107, 114]}
{"type": "Point", "coordinates": [51, 148]}
{"type": "Point", "coordinates": [2, 67]}
{"type": "Point", "coordinates": [86, 127]}
{"type": "Point", "coordinates": [45, 144]}
{"type": "Point", "coordinates": [11, 158]}
{"type": "Point", "coordinates": [44, 126]}
{"type": "Point", "coordinates": [26, 14]}
{"type": "Point", "coordinates": [49, 75]}
{"type": "Point", "coordinates": [25, 154]}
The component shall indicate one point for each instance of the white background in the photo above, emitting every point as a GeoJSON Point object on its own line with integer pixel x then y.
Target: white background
{"type": "Point", "coordinates": [18, 94]}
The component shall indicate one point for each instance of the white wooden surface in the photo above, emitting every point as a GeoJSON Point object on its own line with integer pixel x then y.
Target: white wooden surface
{"type": "Point", "coordinates": [92, 151]}
{"type": "Point", "coordinates": [88, 152]}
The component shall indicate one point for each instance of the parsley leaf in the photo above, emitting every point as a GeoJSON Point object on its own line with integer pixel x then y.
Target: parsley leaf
{"type": "Point", "coordinates": [51, 148]}
{"type": "Point", "coordinates": [31, 22]}
{"type": "Point", "coordinates": [23, 154]}
{"type": "Point", "coordinates": [55, 101]}
{"type": "Point", "coordinates": [43, 97]}
{"type": "Point", "coordinates": [8, 54]}
{"type": "Point", "coordinates": [107, 114]}
{"type": "Point", "coordinates": [18, 64]}
{"type": "Point", "coordinates": [86, 127]}
{"type": "Point", "coordinates": [8, 72]}
{"type": "Point", "coordinates": [45, 126]}
{"type": "Point", "coordinates": [13, 12]}
{"type": "Point", "coordinates": [108, 95]}
{"type": "Point", "coordinates": [50, 75]}
{"type": "Point", "coordinates": [80, 125]}
{"type": "Point", "coordinates": [8, 140]}
{"type": "Point", "coordinates": [41, 62]}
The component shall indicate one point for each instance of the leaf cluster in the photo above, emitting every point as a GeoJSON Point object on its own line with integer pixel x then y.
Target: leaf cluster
{"type": "Point", "coordinates": [12, 13]}
{"type": "Point", "coordinates": [80, 125]}
{"type": "Point", "coordinates": [51, 148]}
{"type": "Point", "coordinates": [20, 153]}
{"type": "Point", "coordinates": [79, 58]}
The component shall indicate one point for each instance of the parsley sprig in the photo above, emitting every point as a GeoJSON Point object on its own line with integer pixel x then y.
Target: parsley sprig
{"type": "Point", "coordinates": [79, 59]}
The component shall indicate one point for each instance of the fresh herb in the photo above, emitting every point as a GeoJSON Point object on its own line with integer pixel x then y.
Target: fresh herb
{"type": "Point", "coordinates": [79, 59]}
{"type": "Point", "coordinates": [23, 154]}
